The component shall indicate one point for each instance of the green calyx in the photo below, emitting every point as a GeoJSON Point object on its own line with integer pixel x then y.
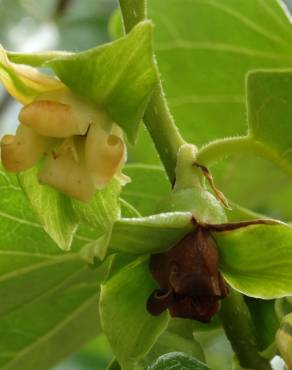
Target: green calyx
{"type": "Point", "coordinates": [204, 207]}
{"type": "Point", "coordinates": [189, 193]}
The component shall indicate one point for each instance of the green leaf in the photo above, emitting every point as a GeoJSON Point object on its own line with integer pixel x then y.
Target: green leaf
{"type": "Point", "coordinates": [269, 108]}
{"type": "Point", "coordinates": [47, 296]}
{"type": "Point", "coordinates": [208, 104]}
{"type": "Point", "coordinates": [140, 192]}
{"type": "Point", "coordinates": [207, 97]}
{"type": "Point", "coordinates": [130, 329]}
{"type": "Point", "coordinates": [122, 88]}
{"type": "Point", "coordinates": [177, 361]}
{"type": "Point", "coordinates": [53, 209]}
{"type": "Point", "coordinates": [150, 234]}
{"type": "Point", "coordinates": [256, 260]}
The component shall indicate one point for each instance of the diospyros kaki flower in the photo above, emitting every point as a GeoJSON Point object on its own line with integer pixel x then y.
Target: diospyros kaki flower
{"type": "Point", "coordinates": [82, 148]}
{"type": "Point", "coordinates": [188, 273]}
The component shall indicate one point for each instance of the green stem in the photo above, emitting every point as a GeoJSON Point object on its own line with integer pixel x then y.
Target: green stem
{"type": "Point", "coordinates": [218, 149]}
{"type": "Point", "coordinates": [238, 326]}
{"type": "Point", "coordinates": [167, 139]}
{"type": "Point", "coordinates": [158, 119]}
{"type": "Point", "coordinates": [133, 12]}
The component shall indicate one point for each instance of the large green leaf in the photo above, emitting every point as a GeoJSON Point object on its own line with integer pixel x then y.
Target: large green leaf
{"type": "Point", "coordinates": [269, 110]}
{"type": "Point", "coordinates": [256, 260]}
{"type": "Point", "coordinates": [204, 66]}
{"type": "Point", "coordinates": [130, 329]}
{"type": "Point", "coordinates": [140, 192]}
{"type": "Point", "coordinates": [119, 76]}
{"type": "Point", "coordinates": [48, 298]}
{"type": "Point", "coordinates": [195, 39]}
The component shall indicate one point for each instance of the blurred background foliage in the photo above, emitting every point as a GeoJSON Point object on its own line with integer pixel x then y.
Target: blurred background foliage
{"type": "Point", "coordinates": [33, 25]}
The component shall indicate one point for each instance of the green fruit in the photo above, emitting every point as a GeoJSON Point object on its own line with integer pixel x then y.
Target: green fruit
{"type": "Point", "coordinates": [197, 200]}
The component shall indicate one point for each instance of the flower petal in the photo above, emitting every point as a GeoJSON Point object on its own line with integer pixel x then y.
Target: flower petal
{"type": "Point", "coordinates": [59, 113]}
{"type": "Point", "coordinates": [65, 171]}
{"type": "Point", "coordinates": [22, 151]}
{"type": "Point", "coordinates": [24, 83]}
{"type": "Point", "coordinates": [105, 153]}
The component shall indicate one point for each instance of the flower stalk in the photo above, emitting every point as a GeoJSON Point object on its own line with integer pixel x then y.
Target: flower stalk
{"type": "Point", "coordinates": [157, 118]}
{"type": "Point", "coordinates": [159, 122]}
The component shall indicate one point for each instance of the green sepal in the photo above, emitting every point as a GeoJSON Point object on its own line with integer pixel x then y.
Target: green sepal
{"type": "Point", "coordinates": [61, 215]}
{"type": "Point", "coordinates": [131, 235]}
{"type": "Point", "coordinates": [53, 209]}
{"type": "Point", "coordinates": [256, 260]}
{"type": "Point", "coordinates": [130, 329]}
{"type": "Point", "coordinates": [119, 76]}
{"type": "Point", "coordinates": [150, 234]}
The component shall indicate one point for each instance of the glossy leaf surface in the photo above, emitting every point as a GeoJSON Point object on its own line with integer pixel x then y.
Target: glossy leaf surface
{"type": "Point", "coordinates": [256, 260]}
{"type": "Point", "coordinates": [47, 296]}
{"type": "Point", "coordinates": [130, 329]}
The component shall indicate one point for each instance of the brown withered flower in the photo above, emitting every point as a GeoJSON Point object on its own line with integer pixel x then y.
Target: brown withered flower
{"type": "Point", "coordinates": [191, 285]}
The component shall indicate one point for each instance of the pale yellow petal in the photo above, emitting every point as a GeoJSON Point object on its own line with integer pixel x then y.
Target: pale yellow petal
{"type": "Point", "coordinates": [22, 151]}
{"type": "Point", "coordinates": [64, 170]}
{"type": "Point", "coordinates": [23, 82]}
{"type": "Point", "coordinates": [104, 153]}
{"type": "Point", "coordinates": [60, 114]}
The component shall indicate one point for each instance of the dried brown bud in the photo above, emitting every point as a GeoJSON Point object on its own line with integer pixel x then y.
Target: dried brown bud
{"type": "Point", "coordinates": [191, 285]}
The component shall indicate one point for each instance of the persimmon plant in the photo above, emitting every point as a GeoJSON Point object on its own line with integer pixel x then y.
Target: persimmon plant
{"type": "Point", "coordinates": [151, 256]}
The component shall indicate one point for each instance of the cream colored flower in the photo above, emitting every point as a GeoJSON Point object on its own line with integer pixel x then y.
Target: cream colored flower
{"type": "Point", "coordinates": [82, 148]}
